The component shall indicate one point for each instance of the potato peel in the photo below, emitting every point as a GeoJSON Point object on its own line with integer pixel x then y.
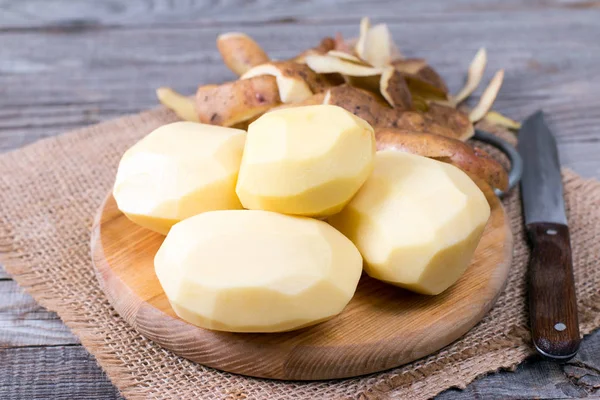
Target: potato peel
{"type": "Point", "coordinates": [474, 76]}
{"type": "Point", "coordinates": [437, 119]}
{"type": "Point", "coordinates": [486, 172]}
{"type": "Point", "coordinates": [410, 65]}
{"type": "Point", "coordinates": [363, 104]}
{"type": "Point", "coordinates": [313, 100]}
{"type": "Point", "coordinates": [376, 45]}
{"type": "Point", "coordinates": [370, 83]}
{"type": "Point", "coordinates": [346, 56]}
{"type": "Point", "coordinates": [233, 102]}
{"type": "Point", "coordinates": [326, 44]}
{"type": "Point", "coordinates": [296, 82]}
{"type": "Point", "coordinates": [365, 25]}
{"type": "Point", "coordinates": [183, 106]}
{"type": "Point", "coordinates": [240, 52]}
{"type": "Point", "coordinates": [328, 64]}
{"type": "Point", "coordinates": [394, 89]}
{"type": "Point", "coordinates": [498, 119]}
{"type": "Point", "coordinates": [488, 97]}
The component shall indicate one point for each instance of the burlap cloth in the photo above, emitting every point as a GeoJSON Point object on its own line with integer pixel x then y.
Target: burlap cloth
{"type": "Point", "coordinates": [50, 191]}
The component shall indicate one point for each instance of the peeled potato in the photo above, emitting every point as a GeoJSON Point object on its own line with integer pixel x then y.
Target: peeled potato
{"type": "Point", "coordinates": [177, 171]}
{"type": "Point", "coordinates": [256, 271]}
{"type": "Point", "coordinates": [306, 160]}
{"type": "Point", "coordinates": [416, 222]}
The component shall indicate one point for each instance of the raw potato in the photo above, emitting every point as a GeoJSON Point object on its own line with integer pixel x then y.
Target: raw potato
{"type": "Point", "coordinates": [238, 101]}
{"type": "Point", "coordinates": [177, 171]}
{"type": "Point", "coordinates": [240, 52]}
{"type": "Point", "coordinates": [313, 100]}
{"type": "Point", "coordinates": [486, 172]}
{"type": "Point", "coordinates": [256, 271]}
{"type": "Point", "coordinates": [306, 160]}
{"type": "Point", "coordinates": [416, 222]}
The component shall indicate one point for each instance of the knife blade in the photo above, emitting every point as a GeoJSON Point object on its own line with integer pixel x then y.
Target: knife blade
{"type": "Point", "coordinates": [552, 302]}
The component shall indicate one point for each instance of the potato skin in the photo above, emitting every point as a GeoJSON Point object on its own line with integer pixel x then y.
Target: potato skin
{"type": "Point", "coordinates": [438, 119]}
{"type": "Point", "coordinates": [486, 172]}
{"type": "Point", "coordinates": [395, 90]}
{"type": "Point", "coordinates": [240, 52]}
{"type": "Point", "coordinates": [363, 104]}
{"type": "Point", "coordinates": [422, 78]}
{"type": "Point", "coordinates": [238, 101]}
{"type": "Point", "coordinates": [326, 44]}
{"type": "Point", "coordinates": [455, 120]}
{"type": "Point", "coordinates": [291, 69]}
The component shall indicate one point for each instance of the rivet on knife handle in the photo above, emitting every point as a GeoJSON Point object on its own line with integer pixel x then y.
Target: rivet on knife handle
{"type": "Point", "coordinates": [552, 301]}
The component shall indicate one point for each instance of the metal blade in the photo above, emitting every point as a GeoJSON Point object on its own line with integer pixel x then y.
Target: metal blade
{"type": "Point", "coordinates": [541, 184]}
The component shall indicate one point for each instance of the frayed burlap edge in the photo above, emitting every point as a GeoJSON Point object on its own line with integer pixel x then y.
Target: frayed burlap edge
{"type": "Point", "coordinates": [12, 256]}
{"type": "Point", "coordinates": [503, 353]}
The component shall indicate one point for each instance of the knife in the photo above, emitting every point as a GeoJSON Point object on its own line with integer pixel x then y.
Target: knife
{"type": "Point", "coordinates": [552, 302]}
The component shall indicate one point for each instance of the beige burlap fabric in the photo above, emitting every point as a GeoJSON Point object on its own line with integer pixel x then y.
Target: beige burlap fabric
{"type": "Point", "coordinates": [49, 193]}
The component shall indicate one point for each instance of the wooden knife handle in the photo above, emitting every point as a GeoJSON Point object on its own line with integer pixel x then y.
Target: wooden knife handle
{"type": "Point", "coordinates": [552, 302]}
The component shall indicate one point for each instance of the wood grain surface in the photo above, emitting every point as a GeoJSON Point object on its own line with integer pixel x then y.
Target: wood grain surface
{"type": "Point", "coordinates": [551, 291]}
{"type": "Point", "coordinates": [67, 64]}
{"type": "Point", "coordinates": [382, 327]}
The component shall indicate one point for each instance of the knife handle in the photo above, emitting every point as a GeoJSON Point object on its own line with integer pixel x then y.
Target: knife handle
{"type": "Point", "coordinates": [552, 302]}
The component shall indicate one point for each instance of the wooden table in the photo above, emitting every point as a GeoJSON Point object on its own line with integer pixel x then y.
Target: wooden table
{"type": "Point", "coordinates": [66, 64]}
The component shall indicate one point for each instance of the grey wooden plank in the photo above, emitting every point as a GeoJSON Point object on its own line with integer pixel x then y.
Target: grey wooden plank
{"type": "Point", "coordinates": [62, 372]}
{"type": "Point", "coordinates": [68, 371]}
{"type": "Point", "coordinates": [540, 379]}
{"type": "Point", "coordinates": [582, 157]}
{"type": "Point", "coordinates": [24, 323]}
{"type": "Point", "coordinates": [67, 16]}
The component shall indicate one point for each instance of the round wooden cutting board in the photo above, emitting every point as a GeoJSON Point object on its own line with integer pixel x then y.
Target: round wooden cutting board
{"type": "Point", "coordinates": [382, 326]}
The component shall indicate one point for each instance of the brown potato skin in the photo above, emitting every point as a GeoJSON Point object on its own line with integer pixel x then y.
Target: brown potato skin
{"type": "Point", "coordinates": [398, 91]}
{"type": "Point", "coordinates": [422, 79]}
{"type": "Point", "coordinates": [238, 101]}
{"type": "Point", "coordinates": [290, 69]}
{"type": "Point", "coordinates": [240, 52]}
{"type": "Point", "coordinates": [486, 172]}
{"type": "Point", "coordinates": [363, 104]}
{"type": "Point", "coordinates": [313, 100]}
{"type": "Point", "coordinates": [438, 119]}
{"type": "Point", "coordinates": [457, 121]}
{"type": "Point", "coordinates": [326, 44]}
